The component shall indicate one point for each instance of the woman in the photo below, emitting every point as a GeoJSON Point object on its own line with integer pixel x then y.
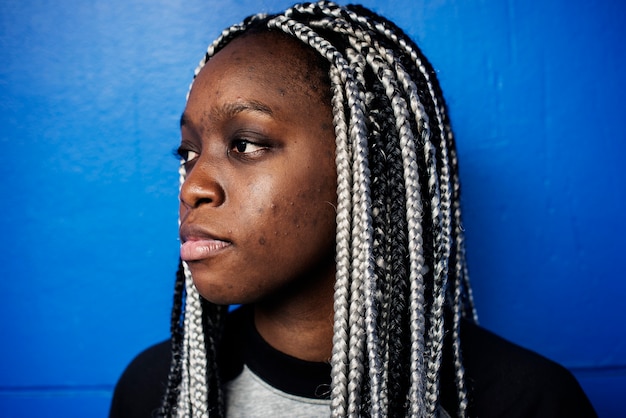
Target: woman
{"type": "Point", "coordinates": [320, 190]}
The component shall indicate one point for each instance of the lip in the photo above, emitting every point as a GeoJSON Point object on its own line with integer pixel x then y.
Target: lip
{"type": "Point", "coordinates": [199, 244]}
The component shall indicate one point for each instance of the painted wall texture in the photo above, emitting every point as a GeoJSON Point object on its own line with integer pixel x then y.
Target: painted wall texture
{"type": "Point", "coordinates": [90, 96]}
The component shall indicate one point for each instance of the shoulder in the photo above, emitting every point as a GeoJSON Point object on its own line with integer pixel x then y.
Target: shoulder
{"type": "Point", "coordinates": [139, 390]}
{"type": "Point", "coordinates": [505, 379]}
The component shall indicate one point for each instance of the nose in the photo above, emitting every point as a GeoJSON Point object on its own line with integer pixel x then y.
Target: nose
{"type": "Point", "coordinates": [202, 187]}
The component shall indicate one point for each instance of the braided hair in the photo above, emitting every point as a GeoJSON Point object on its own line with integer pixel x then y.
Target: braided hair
{"type": "Point", "coordinates": [401, 274]}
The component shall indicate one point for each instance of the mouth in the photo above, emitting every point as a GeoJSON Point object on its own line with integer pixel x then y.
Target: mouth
{"type": "Point", "coordinates": [198, 244]}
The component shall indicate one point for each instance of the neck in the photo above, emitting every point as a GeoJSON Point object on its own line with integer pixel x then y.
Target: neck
{"type": "Point", "coordinates": [300, 326]}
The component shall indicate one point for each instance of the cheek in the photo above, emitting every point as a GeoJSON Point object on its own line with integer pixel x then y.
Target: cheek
{"type": "Point", "coordinates": [296, 219]}
{"type": "Point", "coordinates": [309, 214]}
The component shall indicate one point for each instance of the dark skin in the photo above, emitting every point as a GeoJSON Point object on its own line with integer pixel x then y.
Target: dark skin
{"type": "Point", "coordinates": [258, 204]}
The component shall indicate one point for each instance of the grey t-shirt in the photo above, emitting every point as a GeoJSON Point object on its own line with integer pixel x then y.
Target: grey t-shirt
{"type": "Point", "coordinates": [249, 396]}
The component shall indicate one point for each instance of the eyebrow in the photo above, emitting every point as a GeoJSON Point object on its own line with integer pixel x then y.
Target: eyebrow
{"type": "Point", "coordinates": [230, 110]}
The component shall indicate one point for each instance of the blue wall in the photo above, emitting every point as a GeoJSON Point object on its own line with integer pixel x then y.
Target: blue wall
{"type": "Point", "coordinates": [90, 96]}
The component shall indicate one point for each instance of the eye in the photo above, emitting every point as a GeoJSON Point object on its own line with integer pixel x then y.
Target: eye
{"type": "Point", "coordinates": [186, 155]}
{"type": "Point", "coordinates": [245, 147]}
{"type": "Point", "coordinates": [190, 156]}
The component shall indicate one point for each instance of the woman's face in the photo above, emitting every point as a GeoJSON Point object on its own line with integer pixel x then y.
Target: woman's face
{"type": "Point", "coordinates": [257, 207]}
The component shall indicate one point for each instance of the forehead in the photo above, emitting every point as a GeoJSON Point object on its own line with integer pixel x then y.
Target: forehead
{"type": "Point", "coordinates": [276, 53]}
{"type": "Point", "coordinates": [262, 48]}
{"type": "Point", "coordinates": [263, 73]}
{"type": "Point", "coordinates": [265, 68]}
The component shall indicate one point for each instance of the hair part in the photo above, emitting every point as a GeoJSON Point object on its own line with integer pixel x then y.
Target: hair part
{"type": "Point", "coordinates": [401, 276]}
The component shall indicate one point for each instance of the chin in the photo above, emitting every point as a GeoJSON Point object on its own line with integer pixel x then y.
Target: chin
{"type": "Point", "coordinates": [223, 295]}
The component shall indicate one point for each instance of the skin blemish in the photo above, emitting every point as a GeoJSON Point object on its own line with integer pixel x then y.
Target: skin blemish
{"type": "Point", "coordinates": [262, 241]}
{"type": "Point", "coordinates": [296, 221]}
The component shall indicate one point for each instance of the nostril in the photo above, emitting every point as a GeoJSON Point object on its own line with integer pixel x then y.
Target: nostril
{"type": "Point", "coordinates": [203, 201]}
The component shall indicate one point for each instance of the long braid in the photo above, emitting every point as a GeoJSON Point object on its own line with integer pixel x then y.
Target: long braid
{"type": "Point", "coordinates": [390, 236]}
{"type": "Point", "coordinates": [398, 228]}
{"type": "Point", "coordinates": [359, 277]}
{"type": "Point", "coordinates": [380, 250]}
{"type": "Point", "coordinates": [399, 287]}
{"type": "Point", "coordinates": [341, 341]}
{"type": "Point", "coordinates": [196, 386]}
{"type": "Point", "coordinates": [467, 299]}
{"type": "Point", "coordinates": [176, 331]}
{"type": "Point", "coordinates": [213, 327]}
{"type": "Point", "coordinates": [370, 286]}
